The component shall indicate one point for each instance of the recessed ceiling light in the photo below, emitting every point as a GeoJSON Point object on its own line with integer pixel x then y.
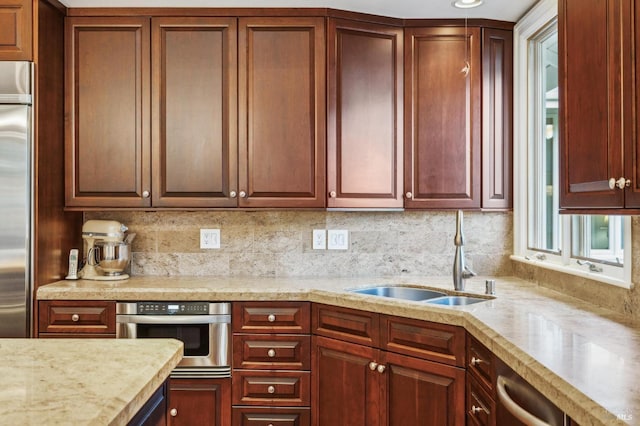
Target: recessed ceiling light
{"type": "Point", "coordinates": [467, 4]}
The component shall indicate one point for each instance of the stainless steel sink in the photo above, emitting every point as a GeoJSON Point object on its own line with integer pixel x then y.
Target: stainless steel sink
{"type": "Point", "coordinates": [400, 292]}
{"type": "Point", "coordinates": [456, 300]}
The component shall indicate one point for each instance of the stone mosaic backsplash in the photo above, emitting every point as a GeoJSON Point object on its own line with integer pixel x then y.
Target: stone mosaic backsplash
{"type": "Point", "coordinates": [279, 243]}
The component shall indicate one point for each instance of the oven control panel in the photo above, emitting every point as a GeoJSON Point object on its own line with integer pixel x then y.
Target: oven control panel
{"type": "Point", "coordinates": [170, 308]}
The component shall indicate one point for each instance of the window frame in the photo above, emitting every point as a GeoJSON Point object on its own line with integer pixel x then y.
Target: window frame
{"type": "Point", "coordinates": [539, 17]}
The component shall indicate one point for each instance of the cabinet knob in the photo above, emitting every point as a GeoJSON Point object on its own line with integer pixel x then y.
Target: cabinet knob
{"type": "Point", "coordinates": [373, 366]}
{"type": "Point", "coordinates": [381, 368]}
{"type": "Point", "coordinates": [173, 412]}
{"type": "Point", "coordinates": [145, 194]}
{"type": "Point", "coordinates": [333, 194]}
{"type": "Point", "coordinates": [75, 317]}
{"type": "Point", "coordinates": [243, 194]}
{"type": "Point", "coordinates": [233, 194]}
{"type": "Point", "coordinates": [620, 183]}
{"type": "Point", "coordinates": [271, 353]}
{"type": "Point", "coordinates": [408, 195]}
{"type": "Point", "coordinates": [475, 361]}
{"type": "Point", "coordinates": [271, 389]}
{"type": "Point", "coordinates": [271, 318]}
{"type": "Point", "coordinates": [475, 410]}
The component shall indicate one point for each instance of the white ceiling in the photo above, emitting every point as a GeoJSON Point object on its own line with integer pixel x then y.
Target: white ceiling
{"type": "Point", "coordinates": [504, 10]}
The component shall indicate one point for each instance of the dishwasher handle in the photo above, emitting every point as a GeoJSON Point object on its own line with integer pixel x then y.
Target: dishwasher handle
{"type": "Point", "coordinates": [517, 411]}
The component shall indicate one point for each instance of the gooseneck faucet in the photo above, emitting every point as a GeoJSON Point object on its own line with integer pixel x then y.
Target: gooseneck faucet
{"type": "Point", "coordinates": [460, 270]}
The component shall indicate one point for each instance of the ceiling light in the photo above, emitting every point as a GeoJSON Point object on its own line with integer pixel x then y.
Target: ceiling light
{"type": "Point", "coordinates": [467, 4]}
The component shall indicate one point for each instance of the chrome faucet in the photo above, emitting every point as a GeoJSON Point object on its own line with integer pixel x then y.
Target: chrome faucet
{"type": "Point", "coordinates": [460, 270]}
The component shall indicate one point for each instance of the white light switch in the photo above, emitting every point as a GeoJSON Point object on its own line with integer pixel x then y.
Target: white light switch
{"type": "Point", "coordinates": [319, 239]}
{"type": "Point", "coordinates": [338, 239]}
{"type": "Point", "coordinates": [209, 238]}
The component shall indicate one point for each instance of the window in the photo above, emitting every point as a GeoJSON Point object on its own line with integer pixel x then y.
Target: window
{"type": "Point", "coordinates": [580, 244]}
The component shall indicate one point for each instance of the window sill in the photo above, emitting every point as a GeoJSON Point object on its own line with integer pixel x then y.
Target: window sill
{"type": "Point", "coordinates": [596, 276]}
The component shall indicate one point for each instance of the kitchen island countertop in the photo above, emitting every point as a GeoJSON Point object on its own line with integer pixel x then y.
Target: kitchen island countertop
{"type": "Point", "coordinates": [81, 381]}
{"type": "Point", "coordinates": [583, 358]}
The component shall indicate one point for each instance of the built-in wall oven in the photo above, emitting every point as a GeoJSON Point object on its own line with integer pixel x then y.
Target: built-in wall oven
{"type": "Point", "coordinates": [203, 327]}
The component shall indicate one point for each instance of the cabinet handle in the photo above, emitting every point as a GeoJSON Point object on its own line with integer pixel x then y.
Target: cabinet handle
{"type": "Point", "coordinates": [475, 410]}
{"type": "Point", "coordinates": [271, 318]}
{"type": "Point", "coordinates": [408, 195]}
{"type": "Point", "coordinates": [173, 412]}
{"type": "Point", "coordinates": [271, 389]}
{"type": "Point", "coordinates": [75, 317]}
{"type": "Point", "coordinates": [333, 194]}
{"type": "Point", "coordinates": [145, 194]}
{"type": "Point", "coordinates": [243, 194]}
{"type": "Point", "coordinates": [373, 365]}
{"type": "Point", "coordinates": [271, 353]}
{"type": "Point", "coordinates": [475, 361]}
{"type": "Point", "coordinates": [512, 407]}
{"type": "Point", "coordinates": [233, 194]}
{"type": "Point", "coordinates": [620, 183]}
{"type": "Point", "coordinates": [381, 369]}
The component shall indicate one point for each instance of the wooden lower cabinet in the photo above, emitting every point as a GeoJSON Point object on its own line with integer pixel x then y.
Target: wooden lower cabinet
{"type": "Point", "coordinates": [359, 385]}
{"type": "Point", "coordinates": [77, 318]}
{"type": "Point", "coordinates": [195, 402]}
{"type": "Point", "coordinates": [274, 416]}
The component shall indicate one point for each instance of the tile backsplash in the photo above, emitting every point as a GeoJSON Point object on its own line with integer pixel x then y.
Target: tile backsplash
{"type": "Point", "coordinates": [279, 243]}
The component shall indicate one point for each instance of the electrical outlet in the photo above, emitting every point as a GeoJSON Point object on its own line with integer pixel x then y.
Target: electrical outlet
{"type": "Point", "coordinates": [209, 238]}
{"type": "Point", "coordinates": [338, 239]}
{"type": "Point", "coordinates": [319, 239]}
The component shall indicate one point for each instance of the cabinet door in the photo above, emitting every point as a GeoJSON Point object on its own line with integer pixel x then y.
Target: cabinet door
{"type": "Point", "coordinates": [107, 106]}
{"type": "Point", "coordinates": [16, 22]}
{"type": "Point", "coordinates": [345, 390]}
{"type": "Point", "coordinates": [423, 392]}
{"type": "Point", "coordinates": [497, 118]}
{"type": "Point", "coordinates": [442, 118]}
{"type": "Point", "coordinates": [364, 138]}
{"type": "Point", "coordinates": [281, 93]}
{"type": "Point", "coordinates": [199, 402]}
{"type": "Point", "coordinates": [194, 145]}
{"type": "Point", "coordinates": [590, 79]}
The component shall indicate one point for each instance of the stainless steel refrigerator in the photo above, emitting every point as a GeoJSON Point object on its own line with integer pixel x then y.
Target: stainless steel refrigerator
{"type": "Point", "coordinates": [16, 200]}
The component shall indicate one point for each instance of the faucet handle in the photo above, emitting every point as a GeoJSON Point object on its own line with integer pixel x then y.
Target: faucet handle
{"type": "Point", "coordinates": [468, 273]}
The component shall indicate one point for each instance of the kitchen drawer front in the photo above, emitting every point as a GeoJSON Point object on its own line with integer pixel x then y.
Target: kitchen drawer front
{"type": "Point", "coordinates": [271, 388]}
{"type": "Point", "coordinates": [272, 351]}
{"type": "Point", "coordinates": [280, 416]}
{"type": "Point", "coordinates": [481, 408]}
{"type": "Point", "coordinates": [422, 339]}
{"type": "Point", "coordinates": [271, 317]}
{"type": "Point", "coordinates": [481, 363]}
{"type": "Point", "coordinates": [77, 317]}
{"type": "Point", "coordinates": [346, 324]}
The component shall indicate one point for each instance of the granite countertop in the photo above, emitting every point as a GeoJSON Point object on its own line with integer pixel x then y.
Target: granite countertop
{"type": "Point", "coordinates": [583, 358]}
{"type": "Point", "coordinates": [81, 381]}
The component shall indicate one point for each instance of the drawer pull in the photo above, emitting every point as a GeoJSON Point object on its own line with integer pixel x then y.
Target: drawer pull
{"type": "Point", "coordinates": [173, 412]}
{"type": "Point", "coordinates": [381, 368]}
{"type": "Point", "coordinates": [271, 353]}
{"type": "Point", "coordinates": [373, 365]}
{"type": "Point", "coordinates": [75, 317]}
{"type": "Point", "coordinates": [475, 410]}
{"type": "Point", "coordinates": [271, 389]}
{"type": "Point", "coordinates": [475, 361]}
{"type": "Point", "coordinates": [271, 318]}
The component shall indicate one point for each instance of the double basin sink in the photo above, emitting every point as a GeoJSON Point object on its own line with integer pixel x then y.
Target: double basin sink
{"type": "Point", "coordinates": [419, 295]}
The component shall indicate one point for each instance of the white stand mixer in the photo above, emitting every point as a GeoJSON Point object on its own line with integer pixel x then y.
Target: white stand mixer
{"type": "Point", "coordinates": [108, 250]}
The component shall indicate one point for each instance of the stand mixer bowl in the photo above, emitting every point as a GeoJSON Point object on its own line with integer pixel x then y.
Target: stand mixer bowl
{"type": "Point", "coordinates": [111, 258]}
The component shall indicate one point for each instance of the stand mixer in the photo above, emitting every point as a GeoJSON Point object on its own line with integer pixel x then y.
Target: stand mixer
{"type": "Point", "coordinates": [108, 250]}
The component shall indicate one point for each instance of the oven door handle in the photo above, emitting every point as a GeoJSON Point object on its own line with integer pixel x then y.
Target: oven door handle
{"type": "Point", "coordinates": [173, 319]}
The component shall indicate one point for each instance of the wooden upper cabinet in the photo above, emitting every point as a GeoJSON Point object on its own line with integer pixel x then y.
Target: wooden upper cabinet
{"type": "Point", "coordinates": [194, 126]}
{"type": "Point", "coordinates": [596, 108]}
{"type": "Point", "coordinates": [442, 118]}
{"type": "Point", "coordinates": [364, 123]}
{"type": "Point", "coordinates": [281, 95]}
{"type": "Point", "coordinates": [107, 112]}
{"type": "Point", "coordinates": [497, 119]}
{"type": "Point", "coordinates": [16, 30]}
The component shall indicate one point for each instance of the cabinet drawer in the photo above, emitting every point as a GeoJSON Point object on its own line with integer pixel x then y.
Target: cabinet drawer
{"type": "Point", "coordinates": [272, 351]}
{"type": "Point", "coordinates": [271, 317]}
{"type": "Point", "coordinates": [273, 388]}
{"type": "Point", "coordinates": [284, 416]}
{"type": "Point", "coordinates": [481, 363]}
{"type": "Point", "coordinates": [77, 317]}
{"type": "Point", "coordinates": [481, 408]}
{"type": "Point", "coordinates": [347, 324]}
{"type": "Point", "coordinates": [426, 340]}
